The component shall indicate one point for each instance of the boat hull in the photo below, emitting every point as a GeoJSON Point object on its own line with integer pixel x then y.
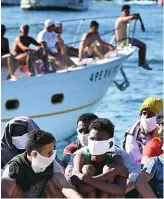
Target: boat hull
{"type": "Point", "coordinates": [82, 89]}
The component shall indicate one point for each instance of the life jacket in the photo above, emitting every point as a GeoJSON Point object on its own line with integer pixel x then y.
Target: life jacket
{"type": "Point", "coordinates": [140, 137]}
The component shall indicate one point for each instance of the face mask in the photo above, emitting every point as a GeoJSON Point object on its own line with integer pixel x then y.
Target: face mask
{"type": "Point", "coordinates": [148, 124]}
{"type": "Point", "coordinates": [20, 141]}
{"type": "Point", "coordinates": [83, 138]}
{"type": "Point", "coordinates": [40, 163]}
{"type": "Point", "coordinates": [101, 147]}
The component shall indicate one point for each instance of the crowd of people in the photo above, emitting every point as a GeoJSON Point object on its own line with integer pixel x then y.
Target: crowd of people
{"type": "Point", "coordinates": [93, 166]}
{"type": "Point", "coordinates": [49, 45]}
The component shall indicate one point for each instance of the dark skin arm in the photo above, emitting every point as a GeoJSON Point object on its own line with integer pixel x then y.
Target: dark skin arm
{"type": "Point", "coordinates": [34, 42]}
{"type": "Point", "coordinates": [43, 45]}
{"type": "Point", "coordinates": [121, 180]}
{"type": "Point", "coordinates": [143, 186]}
{"type": "Point", "coordinates": [10, 189]}
{"type": "Point", "coordinates": [79, 162]}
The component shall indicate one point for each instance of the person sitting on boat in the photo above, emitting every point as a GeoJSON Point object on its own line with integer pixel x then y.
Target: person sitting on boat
{"type": "Point", "coordinates": [143, 130]}
{"type": "Point", "coordinates": [61, 48]}
{"type": "Point", "coordinates": [48, 39]}
{"type": "Point", "coordinates": [36, 173]}
{"type": "Point", "coordinates": [5, 53]}
{"type": "Point", "coordinates": [121, 34]}
{"type": "Point", "coordinates": [14, 137]}
{"type": "Point", "coordinates": [149, 182]}
{"type": "Point", "coordinates": [153, 147]}
{"type": "Point", "coordinates": [88, 48]}
{"type": "Point", "coordinates": [96, 169]}
{"type": "Point", "coordinates": [4, 42]}
{"type": "Point", "coordinates": [64, 52]}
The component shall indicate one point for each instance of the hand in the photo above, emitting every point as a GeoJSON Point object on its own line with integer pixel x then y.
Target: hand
{"type": "Point", "coordinates": [142, 28]}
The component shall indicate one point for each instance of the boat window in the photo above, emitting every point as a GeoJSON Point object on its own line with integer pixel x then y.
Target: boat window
{"type": "Point", "coordinates": [57, 98]}
{"type": "Point", "coordinates": [12, 104]}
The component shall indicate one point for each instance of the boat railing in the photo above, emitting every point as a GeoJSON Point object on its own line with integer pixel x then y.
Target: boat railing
{"type": "Point", "coordinates": [39, 26]}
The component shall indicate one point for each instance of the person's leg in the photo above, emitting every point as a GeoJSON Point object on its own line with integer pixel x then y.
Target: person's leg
{"type": "Point", "coordinates": [51, 190]}
{"type": "Point", "coordinates": [141, 53]}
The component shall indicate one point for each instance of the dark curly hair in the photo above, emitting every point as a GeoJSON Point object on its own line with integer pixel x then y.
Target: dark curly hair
{"type": "Point", "coordinates": [38, 139]}
{"type": "Point", "coordinates": [103, 124]}
{"type": "Point", "coordinates": [87, 117]}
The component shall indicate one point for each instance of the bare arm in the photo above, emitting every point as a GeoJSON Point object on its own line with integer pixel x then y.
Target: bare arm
{"type": "Point", "coordinates": [23, 47]}
{"type": "Point", "coordinates": [61, 44]}
{"type": "Point", "coordinates": [43, 45]}
{"type": "Point", "coordinates": [81, 47]}
{"type": "Point", "coordinates": [66, 188]}
{"type": "Point", "coordinates": [99, 184]}
{"type": "Point", "coordinates": [9, 189]}
{"type": "Point", "coordinates": [111, 47]}
{"type": "Point", "coordinates": [34, 42]}
{"type": "Point", "coordinates": [143, 186]}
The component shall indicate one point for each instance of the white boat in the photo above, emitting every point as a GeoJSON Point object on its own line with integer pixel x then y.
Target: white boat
{"type": "Point", "coordinates": [10, 2]}
{"type": "Point", "coordinates": [55, 4]}
{"type": "Point", "coordinates": [56, 100]}
{"type": "Point", "coordinates": [139, 2]}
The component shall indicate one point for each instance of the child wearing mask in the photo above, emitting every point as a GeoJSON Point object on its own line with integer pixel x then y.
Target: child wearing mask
{"type": "Point", "coordinates": [109, 176]}
{"type": "Point", "coordinates": [36, 173]}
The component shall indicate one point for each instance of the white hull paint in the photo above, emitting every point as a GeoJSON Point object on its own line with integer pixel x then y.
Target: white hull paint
{"type": "Point", "coordinates": [82, 88]}
{"type": "Point", "coordinates": [55, 4]}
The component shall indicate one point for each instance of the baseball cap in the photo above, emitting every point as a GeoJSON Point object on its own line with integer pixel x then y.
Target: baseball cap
{"type": "Point", "coordinates": [49, 22]}
{"type": "Point", "coordinates": [58, 24]}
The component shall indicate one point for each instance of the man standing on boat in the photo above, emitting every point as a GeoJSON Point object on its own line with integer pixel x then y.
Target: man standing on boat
{"type": "Point", "coordinates": [88, 48]}
{"type": "Point", "coordinates": [121, 34]}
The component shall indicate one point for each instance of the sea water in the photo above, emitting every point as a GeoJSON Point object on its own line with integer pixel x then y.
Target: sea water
{"type": "Point", "coordinates": [121, 107]}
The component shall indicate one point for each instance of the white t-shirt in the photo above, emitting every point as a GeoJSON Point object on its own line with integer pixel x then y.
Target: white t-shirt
{"type": "Point", "coordinates": [49, 38]}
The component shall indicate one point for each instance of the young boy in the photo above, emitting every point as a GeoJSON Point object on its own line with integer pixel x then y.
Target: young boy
{"type": "Point", "coordinates": [97, 169]}
{"type": "Point", "coordinates": [36, 173]}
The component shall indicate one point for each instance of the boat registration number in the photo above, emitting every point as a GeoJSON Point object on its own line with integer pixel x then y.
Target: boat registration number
{"type": "Point", "coordinates": [103, 74]}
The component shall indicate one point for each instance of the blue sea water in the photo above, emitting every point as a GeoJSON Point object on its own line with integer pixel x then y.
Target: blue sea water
{"type": "Point", "coordinates": [121, 107]}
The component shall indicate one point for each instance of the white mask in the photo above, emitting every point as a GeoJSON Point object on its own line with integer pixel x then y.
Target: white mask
{"type": "Point", "coordinates": [83, 138]}
{"type": "Point", "coordinates": [100, 147]}
{"type": "Point", "coordinates": [20, 141]}
{"type": "Point", "coordinates": [148, 124]}
{"type": "Point", "coordinates": [40, 163]}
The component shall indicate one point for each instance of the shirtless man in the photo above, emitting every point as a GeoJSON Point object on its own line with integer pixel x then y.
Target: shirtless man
{"type": "Point", "coordinates": [22, 54]}
{"type": "Point", "coordinates": [121, 34]}
{"type": "Point", "coordinates": [87, 46]}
